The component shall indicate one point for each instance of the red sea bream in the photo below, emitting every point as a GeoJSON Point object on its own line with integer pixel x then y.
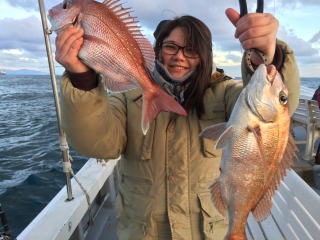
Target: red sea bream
{"type": "Point", "coordinates": [114, 47]}
{"type": "Point", "coordinates": [256, 151]}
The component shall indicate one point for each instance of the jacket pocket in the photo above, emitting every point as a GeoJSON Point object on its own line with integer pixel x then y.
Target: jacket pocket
{"type": "Point", "coordinates": [213, 224]}
{"type": "Point", "coordinates": [214, 110]}
{"type": "Point", "coordinates": [132, 215]}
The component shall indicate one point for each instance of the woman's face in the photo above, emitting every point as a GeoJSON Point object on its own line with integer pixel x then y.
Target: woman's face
{"type": "Point", "coordinates": [177, 63]}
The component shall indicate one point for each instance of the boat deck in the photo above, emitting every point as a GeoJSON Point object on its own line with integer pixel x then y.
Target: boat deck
{"type": "Point", "coordinates": [302, 167]}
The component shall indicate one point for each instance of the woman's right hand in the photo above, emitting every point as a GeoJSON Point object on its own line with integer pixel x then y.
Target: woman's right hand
{"type": "Point", "coordinates": [68, 43]}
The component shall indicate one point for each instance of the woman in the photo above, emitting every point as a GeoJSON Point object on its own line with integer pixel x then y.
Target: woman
{"type": "Point", "coordinates": [165, 174]}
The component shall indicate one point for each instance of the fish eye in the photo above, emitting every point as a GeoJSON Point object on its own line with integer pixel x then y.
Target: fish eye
{"type": "Point", "coordinates": [67, 4]}
{"type": "Point", "coordinates": [283, 98]}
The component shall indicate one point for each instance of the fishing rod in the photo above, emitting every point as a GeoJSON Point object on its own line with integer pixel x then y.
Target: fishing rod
{"type": "Point", "coordinates": [6, 234]}
{"type": "Point", "coordinates": [244, 8]}
{"type": "Point", "coordinates": [63, 142]}
{"type": "Point", "coordinates": [248, 53]}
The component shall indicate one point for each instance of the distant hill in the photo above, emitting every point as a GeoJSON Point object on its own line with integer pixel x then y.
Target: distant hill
{"type": "Point", "coordinates": [24, 72]}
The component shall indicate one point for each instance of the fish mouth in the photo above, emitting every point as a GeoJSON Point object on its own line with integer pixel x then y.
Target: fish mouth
{"type": "Point", "coordinates": [267, 75]}
{"type": "Point", "coordinates": [73, 22]}
{"type": "Point", "coordinates": [271, 73]}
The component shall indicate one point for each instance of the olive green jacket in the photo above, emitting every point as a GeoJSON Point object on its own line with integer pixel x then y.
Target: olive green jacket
{"type": "Point", "coordinates": [166, 173]}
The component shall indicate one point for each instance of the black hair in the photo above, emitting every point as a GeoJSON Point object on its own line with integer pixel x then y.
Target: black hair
{"type": "Point", "coordinates": [198, 36]}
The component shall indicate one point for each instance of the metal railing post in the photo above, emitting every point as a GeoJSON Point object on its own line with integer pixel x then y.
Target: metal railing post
{"type": "Point", "coordinates": [63, 142]}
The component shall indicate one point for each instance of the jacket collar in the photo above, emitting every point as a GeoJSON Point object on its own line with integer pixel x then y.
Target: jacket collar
{"type": "Point", "coordinates": [217, 77]}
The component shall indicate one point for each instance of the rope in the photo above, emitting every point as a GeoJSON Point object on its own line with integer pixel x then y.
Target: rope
{"type": "Point", "coordinates": [63, 144]}
{"type": "Point", "coordinates": [67, 168]}
{"type": "Point", "coordinates": [4, 237]}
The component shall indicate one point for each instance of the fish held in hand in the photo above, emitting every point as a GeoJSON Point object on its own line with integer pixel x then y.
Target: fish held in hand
{"type": "Point", "coordinates": [115, 47]}
{"type": "Point", "coordinates": [257, 148]}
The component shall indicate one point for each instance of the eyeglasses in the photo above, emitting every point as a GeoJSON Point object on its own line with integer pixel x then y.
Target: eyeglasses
{"type": "Point", "coordinates": [172, 49]}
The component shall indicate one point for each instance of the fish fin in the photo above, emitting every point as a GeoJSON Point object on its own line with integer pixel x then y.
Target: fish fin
{"type": "Point", "coordinates": [115, 86]}
{"type": "Point", "coordinates": [237, 236]}
{"type": "Point", "coordinates": [147, 53]}
{"type": "Point", "coordinates": [224, 138]}
{"type": "Point", "coordinates": [263, 208]}
{"type": "Point", "coordinates": [289, 154]}
{"type": "Point", "coordinates": [256, 132]}
{"type": "Point", "coordinates": [214, 132]}
{"type": "Point", "coordinates": [216, 198]}
{"type": "Point", "coordinates": [106, 2]}
{"type": "Point", "coordinates": [286, 163]}
{"type": "Point", "coordinates": [124, 16]}
{"type": "Point", "coordinates": [155, 102]}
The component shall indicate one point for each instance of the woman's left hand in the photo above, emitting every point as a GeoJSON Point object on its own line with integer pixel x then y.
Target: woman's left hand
{"type": "Point", "coordinates": [256, 30]}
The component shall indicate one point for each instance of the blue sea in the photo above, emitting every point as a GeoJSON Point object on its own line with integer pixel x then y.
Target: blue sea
{"type": "Point", "coordinates": [30, 157]}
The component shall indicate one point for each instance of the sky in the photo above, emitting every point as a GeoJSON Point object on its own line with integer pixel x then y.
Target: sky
{"type": "Point", "coordinates": [22, 42]}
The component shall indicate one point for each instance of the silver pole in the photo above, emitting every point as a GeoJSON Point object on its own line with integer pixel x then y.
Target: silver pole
{"type": "Point", "coordinates": [65, 153]}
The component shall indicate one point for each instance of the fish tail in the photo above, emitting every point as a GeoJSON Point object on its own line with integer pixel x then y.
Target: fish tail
{"type": "Point", "coordinates": [155, 101]}
{"type": "Point", "coordinates": [236, 237]}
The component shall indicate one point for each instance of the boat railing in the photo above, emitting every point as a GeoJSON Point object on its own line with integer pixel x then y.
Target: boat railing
{"type": "Point", "coordinates": [295, 213]}
{"type": "Point", "coordinates": [307, 115]}
{"type": "Point", "coordinates": [63, 219]}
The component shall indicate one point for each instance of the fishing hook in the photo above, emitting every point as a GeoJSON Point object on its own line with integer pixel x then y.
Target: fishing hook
{"type": "Point", "coordinates": [244, 11]}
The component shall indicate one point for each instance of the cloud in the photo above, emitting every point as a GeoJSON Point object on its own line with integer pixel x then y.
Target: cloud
{"type": "Point", "coordinates": [22, 59]}
{"type": "Point", "coordinates": [211, 14]}
{"type": "Point", "coordinates": [23, 34]}
{"type": "Point", "coordinates": [307, 56]}
{"type": "Point", "coordinates": [227, 58]}
{"type": "Point", "coordinates": [301, 47]}
{"type": "Point", "coordinates": [150, 13]}
{"type": "Point", "coordinates": [315, 38]}
{"type": "Point", "coordinates": [22, 43]}
{"type": "Point", "coordinates": [297, 3]}
{"type": "Point", "coordinates": [26, 4]}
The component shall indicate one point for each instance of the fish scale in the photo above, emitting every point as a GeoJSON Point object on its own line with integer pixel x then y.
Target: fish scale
{"type": "Point", "coordinates": [110, 50]}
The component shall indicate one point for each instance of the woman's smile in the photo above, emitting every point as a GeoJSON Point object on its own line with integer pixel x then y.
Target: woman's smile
{"type": "Point", "coordinates": [178, 65]}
